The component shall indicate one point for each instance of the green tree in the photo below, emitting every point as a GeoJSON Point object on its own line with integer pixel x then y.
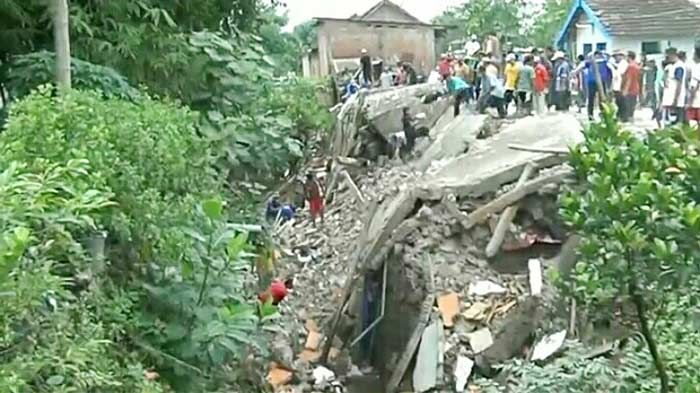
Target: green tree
{"type": "Point", "coordinates": [638, 214]}
{"type": "Point", "coordinates": [501, 17]}
{"type": "Point", "coordinates": [548, 23]}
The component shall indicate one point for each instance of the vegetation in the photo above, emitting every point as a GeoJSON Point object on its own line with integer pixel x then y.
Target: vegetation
{"type": "Point", "coordinates": [517, 22]}
{"type": "Point", "coordinates": [639, 225]}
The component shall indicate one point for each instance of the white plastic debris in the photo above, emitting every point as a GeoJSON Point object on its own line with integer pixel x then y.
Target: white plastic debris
{"type": "Point", "coordinates": [323, 375]}
{"type": "Point", "coordinates": [484, 288]}
{"type": "Point", "coordinates": [548, 346]}
{"type": "Point", "coordinates": [463, 370]}
{"type": "Point", "coordinates": [535, 267]}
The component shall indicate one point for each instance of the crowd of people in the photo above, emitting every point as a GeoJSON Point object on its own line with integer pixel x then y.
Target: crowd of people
{"type": "Point", "coordinates": [538, 81]}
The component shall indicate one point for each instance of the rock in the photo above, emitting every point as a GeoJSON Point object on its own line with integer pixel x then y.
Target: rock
{"type": "Point", "coordinates": [480, 340]}
{"type": "Point", "coordinates": [548, 346]}
{"type": "Point", "coordinates": [485, 288]}
{"type": "Point", "coordinates": [313, 341]}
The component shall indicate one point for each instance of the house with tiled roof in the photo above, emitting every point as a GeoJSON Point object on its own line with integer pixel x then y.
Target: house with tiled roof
{"type": "Point", "coordinates": [387, 31]}
{"type": "Point", "coordinates": [643, 26]}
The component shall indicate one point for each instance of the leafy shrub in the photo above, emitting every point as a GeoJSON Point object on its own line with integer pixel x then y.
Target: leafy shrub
{"type": "Point", "coordinates": [639, 218]}
{"type": "Point", "coordinates": [52, 337]}
{"type": "Point", "coordinates": [174, 291]}
{"type": "Point", "coordinates": [29, 71]}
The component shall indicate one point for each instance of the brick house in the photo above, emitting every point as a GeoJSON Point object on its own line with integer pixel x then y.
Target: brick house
{"type": "Point", "coordinates": [387, 31]}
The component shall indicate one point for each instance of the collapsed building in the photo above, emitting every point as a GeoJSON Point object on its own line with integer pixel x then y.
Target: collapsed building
{"type": "Point", "coordinates": [430, 266]}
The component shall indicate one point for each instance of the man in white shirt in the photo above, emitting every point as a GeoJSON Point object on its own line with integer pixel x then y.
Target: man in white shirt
{"type": "Point", "coordinates": [473, 46]}
{"type": "Point", "coordinates": [618, 64]}
{"type": "Point", "coordinates": [675, 87]}
{"type": "Point", "coordinates": [693, 112]}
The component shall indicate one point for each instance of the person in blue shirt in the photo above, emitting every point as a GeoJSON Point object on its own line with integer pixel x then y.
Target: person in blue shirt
{"type": "Point", "coordinates": [601, 63]}
{"type": "Point", "coordinates": [460, 89]}
{"type": "Point", "coordinates": [351, 88]}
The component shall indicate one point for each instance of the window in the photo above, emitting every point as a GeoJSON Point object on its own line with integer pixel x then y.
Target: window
{"type": "Point", "coordinates": [587, 48]}
{"type": "Point", "coordinates": [651, 47]}
{"type": "Point", "coordinates": [601, 46]}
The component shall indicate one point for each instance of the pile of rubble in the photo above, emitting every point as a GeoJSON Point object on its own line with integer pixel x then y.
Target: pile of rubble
{"type": "Point", "coordinates": [434, 265]}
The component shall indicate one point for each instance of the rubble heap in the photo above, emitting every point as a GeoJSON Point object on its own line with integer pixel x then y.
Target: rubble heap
{"type": "Point", "coordinates": [446, 252]}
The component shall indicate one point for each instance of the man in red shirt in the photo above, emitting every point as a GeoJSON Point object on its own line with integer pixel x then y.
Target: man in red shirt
{"type": "Point", "coordinates": [630, 87]}
{"type": "Point", "coordinates": [542, 79]}
{"type": "Point", "coordinates": [445, 67]}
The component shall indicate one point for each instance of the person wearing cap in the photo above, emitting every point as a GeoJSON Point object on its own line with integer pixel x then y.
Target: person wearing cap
{"type": "Point", "coordinates": [562, 78]}
{"type": "Point", "coordinates": [618, 64]}
{"type": "Point", "coordinates": [675, 88]}
{"type": "Point", "coordinates": [511, 72]}
{"type": "Point", "coordinates": [473, 46]}
{"type": "Point", "coordinates": [463, 71]}
{"type": "Point", "coordinates": [366, 63]}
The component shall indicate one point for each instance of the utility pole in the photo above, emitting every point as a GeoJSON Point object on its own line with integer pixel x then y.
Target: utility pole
{"type": "Point", "coordinates": [61, 43]}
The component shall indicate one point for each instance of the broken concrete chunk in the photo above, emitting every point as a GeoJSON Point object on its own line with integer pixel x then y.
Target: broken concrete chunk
{"type": "Point", "coordinates": [449, 308]}
{"type": "Point", "coordinates": [485, 288]}
{"type": "Point", "coordinates": [313, 340]}
{"type": "Point", "coordinates": [476, 312]}
{"type": "Point", "coordinates": [480, 340]}
{"type": "Point", "coordinates": [548, 346]}
{"type": "Point", "coordinates": [463, 370]}
{"type": "Point", "coordinates": [535, 268]}
{"type": "Point", "coordinates": [426, 370]}
{"type": "Point", "coordinates": [310, 356]}
{"type": "Point", "coordinates": [311, 326]}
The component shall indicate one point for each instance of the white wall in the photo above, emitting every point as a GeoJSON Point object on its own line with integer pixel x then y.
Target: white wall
{"type": "Point", "coordinates": [588, 33]}
{"type": "Point", "coordinates": [686, 44]}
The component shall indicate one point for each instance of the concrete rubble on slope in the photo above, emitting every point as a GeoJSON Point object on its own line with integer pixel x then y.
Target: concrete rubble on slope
{"type": "Point", "coordinates": [416, 220]}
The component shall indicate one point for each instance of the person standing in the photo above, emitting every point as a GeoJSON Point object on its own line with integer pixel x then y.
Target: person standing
{"type": "Point", "coordinates": [444, 67]}
{"type": "Point", "coordinates": [598, 60]}
{"type": "Point", "coordinates": [650, 70]}
{"type": "Point", "coordinates": [400, 78]}
{"type": "Point", "coordinates": [525, 86]}
{"type": "Point", "coordinates": [580, 74]}
{"type": "Point", "coordinates": [473, 46]}
{"type": "Point", "coordinates": [631, 86]}
{"type": "Point", "coordinates": [315, 195]}
{"type": "Point", "coordinates": [562, 77]}
{"type": "Point", "coordinates": [618, 65]}
{"type": "Point", "coordinates": [386, 80]}
{"type": "Point", "coordinates": [512, 70]}
{"type": "Point", "coordinates": [693, 112]}
{"type": "Point", "coordinates": [410, 73]}
{"type": "Point", "coordinates": [459, 89]}
{"type": "Point", "coordinates": [542, 81]}
{"type": "Point", "coordinates": [464, 72]}
{"type": "Point", "coordinates": [366, 64]}
{"type": "Point", "coordinates": [675, 86]}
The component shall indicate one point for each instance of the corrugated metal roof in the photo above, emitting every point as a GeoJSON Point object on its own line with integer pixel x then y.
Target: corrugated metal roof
{"type": "Point", "coordinates": [648, 17]}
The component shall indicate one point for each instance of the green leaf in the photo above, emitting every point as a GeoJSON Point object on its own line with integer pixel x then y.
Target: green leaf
{"type": "Point", "coordinates": [213, 208]}
{"type": "Point", "coordinates": [55, 380]}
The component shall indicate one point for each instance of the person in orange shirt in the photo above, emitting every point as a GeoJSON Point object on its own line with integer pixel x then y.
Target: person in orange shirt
{"type": "Point", "coordinates": [631, 87]}
{"type": "Point", "coordinates": [541, 86]}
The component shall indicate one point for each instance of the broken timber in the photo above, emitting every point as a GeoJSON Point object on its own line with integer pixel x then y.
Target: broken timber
{"type": "Point", "coordinates": [481, 214]}
{"type": "Point", "coordinates": [507, 217]}
{"type": "Point", "coordinates": [353, 187]}
{"type": "Point", "coordinates": [532, 149]}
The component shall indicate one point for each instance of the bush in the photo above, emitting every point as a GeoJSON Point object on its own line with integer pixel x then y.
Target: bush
{"type": "Point", "coordinates": [29, 71]}
{"type": "Point", "coordinates": [52, 336]}
{"type": "Point", "coordinates": [174, 288]}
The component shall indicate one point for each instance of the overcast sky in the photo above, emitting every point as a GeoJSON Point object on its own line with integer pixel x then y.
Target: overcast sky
{"type": "Point", "coordinates": [302, 10]}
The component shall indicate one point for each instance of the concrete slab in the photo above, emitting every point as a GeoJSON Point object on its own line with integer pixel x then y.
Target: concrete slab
{"type": "Point", "coordinates": [451, 139]}
{"type": "Point", "coordinates": [490, 163]}
{"type": "Point", "coordinates": [426, 370]}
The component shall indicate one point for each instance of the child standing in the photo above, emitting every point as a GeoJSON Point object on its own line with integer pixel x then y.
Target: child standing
{"type": "Point", "coordinates": [314, 194]}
